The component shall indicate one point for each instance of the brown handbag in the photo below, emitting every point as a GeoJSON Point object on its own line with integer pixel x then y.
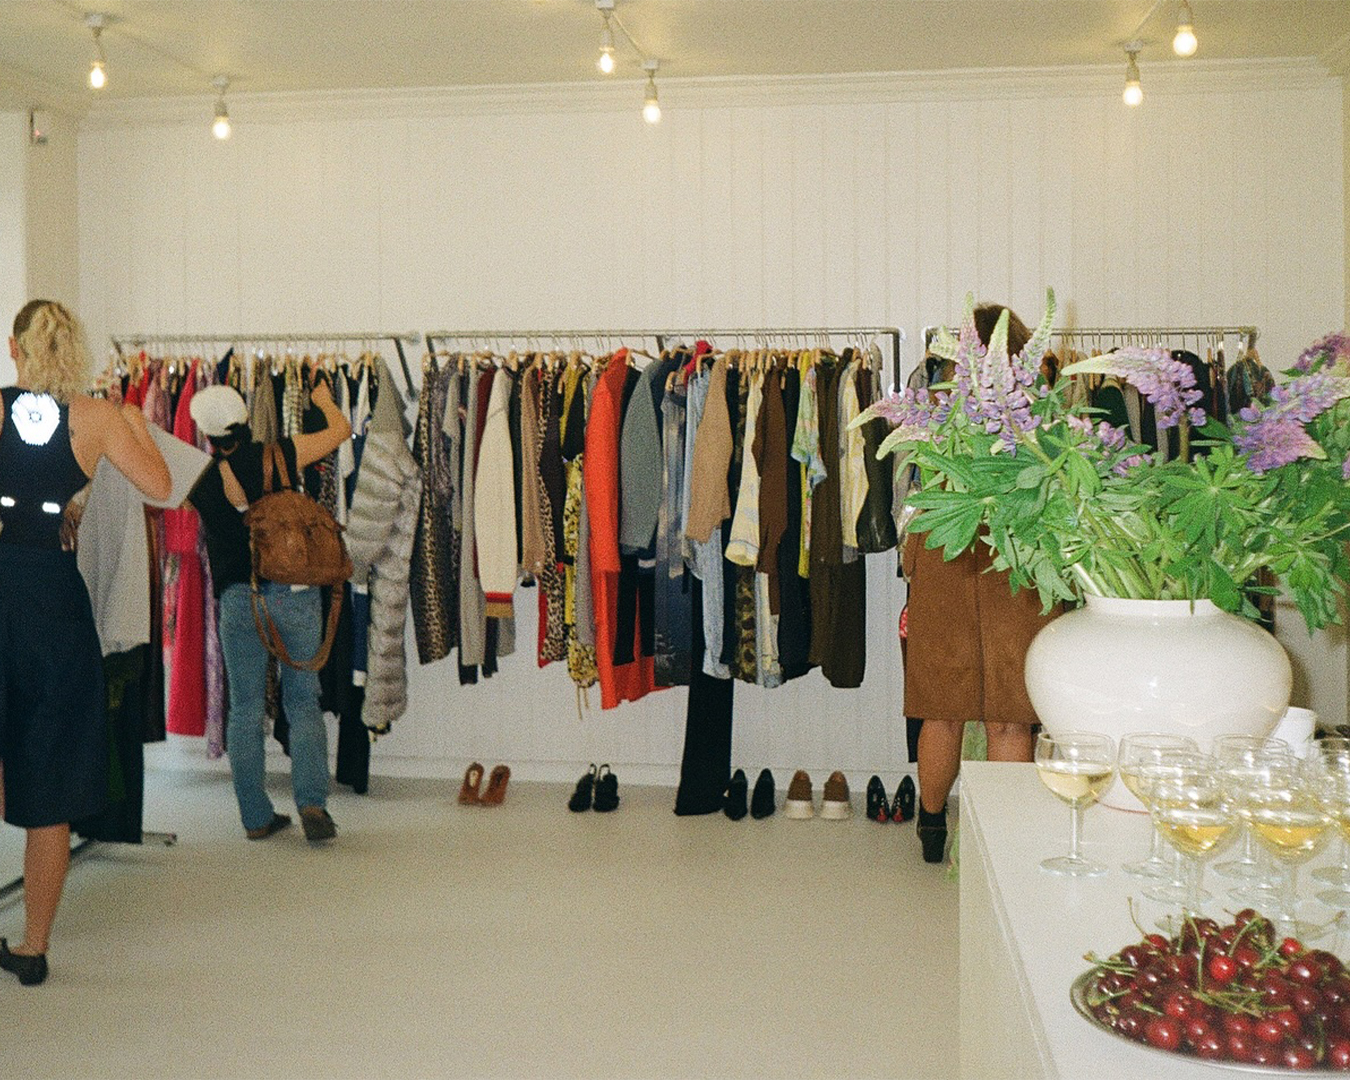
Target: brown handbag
{"type": "Point", "coordinates": [294, 541]}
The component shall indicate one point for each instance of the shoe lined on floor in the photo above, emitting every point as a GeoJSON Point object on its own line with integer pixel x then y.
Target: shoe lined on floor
{"type": "Point", "coordinates": [496, 789]}
{"type": "Point", "coordinates": [262, 832]}
{"type": "Point", "coordinates": [799, 803]}
{"type": "Point", "coordinates": [762, 801]}
{"type": "Point", "coordinates": [473, 780]}
{"type": "Point", "coordinates": [317, 823]}
{"type": "Point", "coordinates": [30, 970]}
{"type": "Point", "coordinates": [606, 790]}
{"type": "Point", "coordinates": [878, 808]}
{"type": "Point", "coordinates": [733, 802]}
{"type": "Point", "coordinates": [581, 798]}
{"type": "Point", "coordinates": [932, 832]}
{"type": "Point", "coordinates": [835, 805]}
{"type": "Point", "coordinates": [903, 807]}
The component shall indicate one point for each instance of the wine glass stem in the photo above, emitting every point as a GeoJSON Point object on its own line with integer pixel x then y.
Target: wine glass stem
{"type": "Point", "coordinates": [1290, 892]}
{"type": "Point", "coordinates": [1075, 830]}
{"type": "Point", "coordinates": [1193, 869]}
{"type": "Point", "coordinates": [1155, 847]}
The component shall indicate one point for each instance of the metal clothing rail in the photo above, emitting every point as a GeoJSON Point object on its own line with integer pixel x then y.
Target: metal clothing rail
{"type": "Point", "coordinates": [82, 848]}
{"type": "Point", "coordinates": [140, 341]}
{"type": "Point", "coordinates": [1248, 334]}
{"type": "Point", "coordinates": [893, 334]}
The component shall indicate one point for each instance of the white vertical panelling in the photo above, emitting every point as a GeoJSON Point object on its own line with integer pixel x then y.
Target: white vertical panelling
{"type": "Point", "coordinates": [1196, 207]}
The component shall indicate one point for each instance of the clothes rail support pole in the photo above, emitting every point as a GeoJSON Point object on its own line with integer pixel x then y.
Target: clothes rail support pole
{"type": "Point", "coordinates": [168, 839]}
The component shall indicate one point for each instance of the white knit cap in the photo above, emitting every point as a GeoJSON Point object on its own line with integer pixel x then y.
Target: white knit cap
{"type": "Point", "coordinates": [216, 409]}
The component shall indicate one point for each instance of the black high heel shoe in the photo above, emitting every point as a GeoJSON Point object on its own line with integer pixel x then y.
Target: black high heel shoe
{"type": "Point", "coordinates": [30, 970]}
{"type": "Point", "coordinates": [581, 798]}
{"type": "Point", "coordinates": [606, 790]}
{"type": "Point", "coordinates": [932, 832]}
{"type": "Point", "coordinates": [877, 807]}
{"type": "Point", "coordinates": [903, 808]}
{"type": "Point", "coordinates": [733, 802]}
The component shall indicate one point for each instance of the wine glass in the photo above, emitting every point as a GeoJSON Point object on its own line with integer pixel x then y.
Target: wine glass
{"type": "Point", "coordinates": [1171, 765]}
{"type": "Point", "coordinates": [1138, 749]}
{"type": "Point", "coordinates": [1236, 754]}
{"type": "Point", "coordinates": [1329, 761]}
{"type": "Point", "coordinates": [1189, 808]}
{"type": "Point", "coordinates": [1077, 767]}
{"type": "Point", "coordinates": [1283, 811]}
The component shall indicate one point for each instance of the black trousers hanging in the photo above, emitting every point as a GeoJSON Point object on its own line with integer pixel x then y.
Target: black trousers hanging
{"type": "Point", "coordinates": [706, 765]}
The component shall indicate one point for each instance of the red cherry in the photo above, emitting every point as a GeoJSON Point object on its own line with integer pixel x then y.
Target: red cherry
{"type": "Point", "coordinates": [1157, 942]}
{"type": "Point", "coordinates": [1240, 1046]}
{"type": "Point", "coordinates": [1268, 1031]}
{"type": "Point", "coordinates": [1236, 1024]}
{"type": "Point", "coordinates": [1164, 1032]}
{"type": "Point", "coordinates": [1243, 917]}
{"type": "Point", "coordinates": [1291, 947]}
{"type": "Point", "coordinates": [1338, 1054]}
{"type": "Point", "coordinates": [1298, 1057]}
{"type": "Point", "coordinates": [1211, 1047]}
{"type": "Point", "coordinates": [1179, 1005]}
{"type": "Point", "coordinates": [1288, 1020]}
{"type": "Point", "coordinates": [1221, 968]}
{"type": "Point", "coordinates": [1275, 989]}
{"type": "Point", "coordinates": [1246, 957]}
{"type": "Point", "coordinates": [1306, 971]}
{"type": "Point", "coordinates": [1195, 1029]}
{"type": "Point", "coordinates": [1305, 1000]}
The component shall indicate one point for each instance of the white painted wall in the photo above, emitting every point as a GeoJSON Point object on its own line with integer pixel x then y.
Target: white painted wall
{"type": "Point", "coordinates": [860, 200]}
{"type": "Point", "coordinates": [52, 215]}
{"type": "Point", "coordinates": [13, 228]}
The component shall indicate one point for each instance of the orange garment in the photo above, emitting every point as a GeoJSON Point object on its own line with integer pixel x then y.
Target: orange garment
{"type": "Point", "coordinates": [600, 474]}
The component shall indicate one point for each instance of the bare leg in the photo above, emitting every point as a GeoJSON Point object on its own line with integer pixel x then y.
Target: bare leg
{"type": "Point", "coordinates": [939, 761]}
{"type": "Point", "coordinates": [1010, 742]}
{"type": "Point", "coordinates": [45, 861]}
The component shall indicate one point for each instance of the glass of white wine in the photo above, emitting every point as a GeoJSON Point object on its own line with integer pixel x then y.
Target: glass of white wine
{"type": "Point", "coordinates": [1329, 762]}
{"type": "Point", "coordinates": [1191, 812]}
{"type": "Point", "coordinates": [1138, 750]}
{"type": "Point", "coordinates": [1290, 822]}
{"type": "Point", "coordinates": [1078, 767]}
{"type": "Point", "coordinates": [1236, 754]}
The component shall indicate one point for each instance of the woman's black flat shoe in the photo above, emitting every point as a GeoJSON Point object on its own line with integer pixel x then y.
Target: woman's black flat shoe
{"type": "Point", "coordinates": [30, 970]}
{"type": "Point", "coordinates": [581, 798]}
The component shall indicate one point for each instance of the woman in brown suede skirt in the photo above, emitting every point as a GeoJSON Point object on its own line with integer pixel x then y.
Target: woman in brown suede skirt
{"type": "Point", "coordinates": [966, 645]}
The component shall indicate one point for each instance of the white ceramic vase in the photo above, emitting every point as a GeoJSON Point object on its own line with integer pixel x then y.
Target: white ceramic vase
{"type": "Point", "coordinates": [1116, 666]}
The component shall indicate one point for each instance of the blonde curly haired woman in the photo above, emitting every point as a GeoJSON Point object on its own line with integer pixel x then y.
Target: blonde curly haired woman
{"type": "Point", "coordinates": [53, 728]}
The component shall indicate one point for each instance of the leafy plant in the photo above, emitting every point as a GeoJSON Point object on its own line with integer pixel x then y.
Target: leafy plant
{"type": "Point", "coordinates": [1070, 506]}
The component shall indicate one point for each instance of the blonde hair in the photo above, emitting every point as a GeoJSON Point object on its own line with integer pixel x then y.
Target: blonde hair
{"type": "Point", "coordinates": [51, 339]}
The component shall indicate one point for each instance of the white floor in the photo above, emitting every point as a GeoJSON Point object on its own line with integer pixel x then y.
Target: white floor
{"type": "Point", "coordinates": [432, 940]}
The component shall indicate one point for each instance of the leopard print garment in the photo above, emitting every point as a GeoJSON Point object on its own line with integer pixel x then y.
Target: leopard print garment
{"type": "Point", "coordinates": [580, 658]}
{"type": "Point", "coordinates": [429, 573]}
{"type": "Point", "coordinates": [553, 641]}
{"type": "Point", "coordinates": [745, 664]}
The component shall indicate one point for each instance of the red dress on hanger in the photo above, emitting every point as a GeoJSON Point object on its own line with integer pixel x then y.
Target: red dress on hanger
{"type": "Point", "coordinates": [600, 474]}
{"type": "Point", "coordinates": [187, 677]}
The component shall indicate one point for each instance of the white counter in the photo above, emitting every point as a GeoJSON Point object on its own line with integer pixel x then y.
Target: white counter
{"type": "Point", "coordinates": [1024, 932]}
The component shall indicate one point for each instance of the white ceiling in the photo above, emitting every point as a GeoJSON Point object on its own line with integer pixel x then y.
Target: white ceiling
{"type": "Point", "coordinates": [173, 48]}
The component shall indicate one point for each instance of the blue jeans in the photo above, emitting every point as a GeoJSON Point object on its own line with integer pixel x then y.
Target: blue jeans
{"type": "Point", "coordinates": [298, 617]}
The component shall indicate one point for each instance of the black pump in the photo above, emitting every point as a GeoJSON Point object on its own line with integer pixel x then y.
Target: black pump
{"type": "Point", "coordinates": [31, 970]}
{"type": "Point", "coordinates": [581, 798]}
{"type": "Point", "coordinates": [606, 790]}
{"type": "Point", "coordinates": [762, 801]}
{"type": "Point", "coordinates": [903, 807]}
{"type": "Point", "coordinates": [733, 802]}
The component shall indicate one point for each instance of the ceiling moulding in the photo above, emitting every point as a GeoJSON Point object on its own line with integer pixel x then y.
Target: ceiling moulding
{"type": "Point", "coordinates": [1197, 77]}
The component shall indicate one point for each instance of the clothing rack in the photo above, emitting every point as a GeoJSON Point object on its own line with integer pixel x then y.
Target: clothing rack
{"type": "Point", "coordinates": [168, 839]}
{"type": "Point", "coordinates": [759, 335]}
{"type": "Point", "coordinates": [141, 341]}
{"type": "Point", "coordinates": [1210, 334]}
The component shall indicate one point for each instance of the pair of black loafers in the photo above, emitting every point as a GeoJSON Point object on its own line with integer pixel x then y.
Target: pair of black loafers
{"type": "Point", "coordinates": [598, 790]}
{"type": "Point", "coordinates": [761, 802]}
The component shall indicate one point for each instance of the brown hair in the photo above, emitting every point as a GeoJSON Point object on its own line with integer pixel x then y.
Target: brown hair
{"type": "Point", "coordinates": [51, 339]}
{"type": "Point", "coordinates": [986, 316]}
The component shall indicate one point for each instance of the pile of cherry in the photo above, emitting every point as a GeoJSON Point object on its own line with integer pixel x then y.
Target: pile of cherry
{"type": "Point", "coordinates": [1235, 993]}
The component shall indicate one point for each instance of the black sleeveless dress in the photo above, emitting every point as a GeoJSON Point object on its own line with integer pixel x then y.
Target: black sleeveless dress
{"type": "Point", "coordinates": [53, 727]}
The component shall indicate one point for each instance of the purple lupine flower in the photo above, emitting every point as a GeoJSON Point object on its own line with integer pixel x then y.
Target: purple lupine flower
{"type": "Point", "coordinates": [1274, 441]}
{"type": "Point", "coordinates": [1168, 384]}
{"type": "Point", "coordinates": [1122, 467]}
{"type": "Point", "coordinates": [1112, 437]}
{"type": "Point", "coordinates": [1325, 353]}
{"type": "Point", "coordinates": [993, 386]}
{"type": "Point", "coordinates": [1345, 469]}
{"type": "Point", "coordinates": [1273, 434]}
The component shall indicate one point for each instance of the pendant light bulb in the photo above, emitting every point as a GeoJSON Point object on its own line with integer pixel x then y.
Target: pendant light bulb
{"type": "Point", "coordinates": [220, 126]}
{"type": "Point", "coordinates": [98, 70]}
{"type": "Point", "coordinates": [1134, 92]}
{"type": "Point", "coordinates": [1185, 43]}
{"type": "Point", "coordinates": [651, 106]}
{"type": "Point", "coordinates": [606, 61]}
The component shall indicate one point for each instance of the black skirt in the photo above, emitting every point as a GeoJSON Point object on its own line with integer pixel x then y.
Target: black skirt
{"type": "Point", "coordinates": [53, 723]}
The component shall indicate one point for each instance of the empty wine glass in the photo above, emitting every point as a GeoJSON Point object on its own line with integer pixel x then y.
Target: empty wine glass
{"type": "Point", "coordinates": [1283, 811]}
{"type": "Point", "coordinates": [1077, 767]}
{"type": "Point", "coordinates": [1329, 761]}
{"type": "Point", "coordinates": [1189, 808]}
{"type": "Point", "coordinates": [1138, 749]}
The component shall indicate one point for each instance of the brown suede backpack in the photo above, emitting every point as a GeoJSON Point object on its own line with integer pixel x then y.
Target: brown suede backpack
{"type": "Point", "coordinates": [294, 541]}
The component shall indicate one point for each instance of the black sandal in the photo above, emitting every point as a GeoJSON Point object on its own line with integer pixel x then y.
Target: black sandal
{"type": "Point", "coordinates": [606, 790]}
{"type": "Point", "coordinates": [581, 798]}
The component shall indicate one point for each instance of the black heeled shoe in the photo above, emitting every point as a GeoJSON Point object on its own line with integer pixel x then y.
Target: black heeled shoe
{"type": "Point", "coordinates": [606, 790]}
{"type": "Point", "coordinates": [733, 802]}
{"type": "Point", "coordinates": [903, 807]}
{"type": "Point", "coordinates": [932, 832]}
{"type": "Point", "coordinates": [762, 801]}
{"type": "Point", "coordinates": [581, 798]}
{"type": "Point", "coordinates": [878, 809]}
{"type": "Point", "coordinates": [30, 970]}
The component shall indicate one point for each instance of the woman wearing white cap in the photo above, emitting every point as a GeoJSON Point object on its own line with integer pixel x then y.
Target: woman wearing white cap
{"type": "Point", "coordinates": [233, 481]}
{"type": "Point", "coordinates": [53, 724]}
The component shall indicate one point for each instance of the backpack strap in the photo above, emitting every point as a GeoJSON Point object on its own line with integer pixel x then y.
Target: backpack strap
{"type": "Point", "coordinates": [271, 636]}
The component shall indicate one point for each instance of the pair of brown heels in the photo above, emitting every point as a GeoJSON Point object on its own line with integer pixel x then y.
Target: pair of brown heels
{"type": "Point", "coordinates": [494, 795]}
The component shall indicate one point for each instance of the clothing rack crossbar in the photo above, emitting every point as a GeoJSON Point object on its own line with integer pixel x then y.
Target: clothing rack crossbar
{"type": "Point", "coordinates": [894, 334]}
{"type": "Point", "coordinates": [1251, 333]}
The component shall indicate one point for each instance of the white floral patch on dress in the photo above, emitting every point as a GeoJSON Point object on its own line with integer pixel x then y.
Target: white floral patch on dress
{"type": "Point", "coordinates": [36, 417]}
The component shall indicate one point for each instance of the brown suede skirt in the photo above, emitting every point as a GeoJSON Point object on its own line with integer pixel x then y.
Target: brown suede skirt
{"type": "Point", "coordinates": [967, 638]}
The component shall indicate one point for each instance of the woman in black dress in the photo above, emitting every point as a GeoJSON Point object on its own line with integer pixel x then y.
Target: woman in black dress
{"type": "Point", "coordinates": [53, 728]}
